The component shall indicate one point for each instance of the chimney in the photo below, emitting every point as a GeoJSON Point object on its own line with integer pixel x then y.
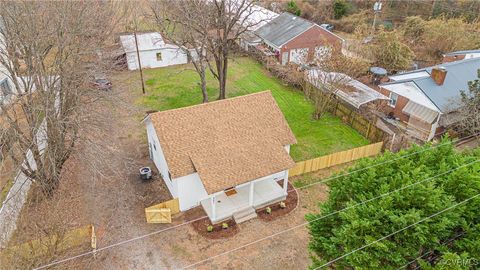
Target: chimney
{"type": "Point", "coordinates": [438, 75]}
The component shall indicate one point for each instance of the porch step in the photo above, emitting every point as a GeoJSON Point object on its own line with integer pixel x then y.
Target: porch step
{"type": "Point", "coordinates": [244, 215]}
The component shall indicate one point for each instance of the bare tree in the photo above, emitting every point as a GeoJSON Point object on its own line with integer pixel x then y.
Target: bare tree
{"type": "Point", "coordinates": [229, 19]}
{"type": "Point", "coordinates": [334, 74]}
{"type": "Point", "coordinates": [210, 29]}
{"type": "Point", "coordinates": [183, 23]}
{"type": "Point", "coordinates": [469, 112]}
{"type": "Point", "coordinates": [48, 51]}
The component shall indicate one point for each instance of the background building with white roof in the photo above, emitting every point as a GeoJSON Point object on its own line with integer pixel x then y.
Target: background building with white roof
{"type": "Point", "coordinates": [427, 100]}
{"type": "Point", "coordinates": [154, 51]}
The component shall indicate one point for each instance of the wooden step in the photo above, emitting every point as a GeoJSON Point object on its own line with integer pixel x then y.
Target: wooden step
{"type": "Point", "coordinates": [244, 215]}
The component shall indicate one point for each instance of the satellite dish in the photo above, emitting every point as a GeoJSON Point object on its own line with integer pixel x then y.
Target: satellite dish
{"type": "Point", "coordinates": [378, 71]}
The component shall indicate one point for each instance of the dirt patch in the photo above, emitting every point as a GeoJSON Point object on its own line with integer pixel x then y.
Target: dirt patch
{"type": "Point", "coordinates": [218, 231]}
{"type": "Point", "coordinates": [291, 203]}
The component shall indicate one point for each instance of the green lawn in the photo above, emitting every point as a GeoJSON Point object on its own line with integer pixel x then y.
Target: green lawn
{"type": "Point", "coordinates": [175, 87]}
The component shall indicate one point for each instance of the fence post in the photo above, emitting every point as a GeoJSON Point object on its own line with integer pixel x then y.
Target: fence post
{"type": "Point", "coordinates": [368, 129]}
{"type": "Point", "coordinates": [94, 242]}
{"type": "Point", "coordinates": [336, 108]}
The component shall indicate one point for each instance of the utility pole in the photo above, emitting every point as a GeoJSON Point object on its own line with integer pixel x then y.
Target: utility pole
{"type": "Point", "coordinates": [139, 62]}
{"type": "Point", "coordinates": [377, 7]}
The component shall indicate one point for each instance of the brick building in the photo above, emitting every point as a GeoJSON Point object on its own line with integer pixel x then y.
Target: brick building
{"type": "Point", "coordinates": [294, 39]}
{"type": "Point", "coordinates": [426, 101]}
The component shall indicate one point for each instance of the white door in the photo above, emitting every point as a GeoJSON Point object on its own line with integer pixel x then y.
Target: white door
{"type": "Point", "coordinates": [322, 52]}
{"type": "Point", "coordinates": [299, 56]}
{"type": "Point", "coordinates": [284, 58]}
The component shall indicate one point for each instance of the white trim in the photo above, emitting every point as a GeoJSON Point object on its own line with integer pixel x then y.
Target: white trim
{"type": "Point", "coordinates": [271, 45]}
{"type": "Point", "coordinates": [321, 28]}
{"type": "Point", "coordinates": [433, 128]}
{"type": "Point", "coordinates": [410, 90]}
{"type": "Point", "coordinates": [214, 207]}
{"type": "Point", "coordinates": [250, 196]}
{"type": "Point", "coordinates": [333, 34]}
{"type": "Point", "coordinates": [392, 100]}
{"type": "Point", "coordinates": [296, 36]}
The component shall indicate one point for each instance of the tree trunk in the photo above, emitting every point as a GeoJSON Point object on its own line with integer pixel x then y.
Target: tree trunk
{"type": "Point", "coordinates": [203, 85]}
{"type": "Point", "coordinates": [222, 67]}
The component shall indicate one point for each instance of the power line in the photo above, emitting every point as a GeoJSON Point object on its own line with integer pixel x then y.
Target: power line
{"type": "Point", "coordinates": [429, 252]}
{"type": "Point", "coordinates": [189, 222]}
{"type": "Point", "coordinates": [382, 163]}
{"type": "Point", "coordinates": [324, 216]}
{"type": "Point", "coordinates": [398, 231]}
{"type": "Point", "coordinates": [116, 244]}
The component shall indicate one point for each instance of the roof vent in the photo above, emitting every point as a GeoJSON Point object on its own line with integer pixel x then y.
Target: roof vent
{"type": "Point", "coordinates": [438, 75]}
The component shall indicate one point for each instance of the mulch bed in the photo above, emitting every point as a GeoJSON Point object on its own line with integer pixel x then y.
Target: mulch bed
{"type": "Point", "coordinates": [290, 202]}
{"type": "Point", "coordinates": [218, 232]}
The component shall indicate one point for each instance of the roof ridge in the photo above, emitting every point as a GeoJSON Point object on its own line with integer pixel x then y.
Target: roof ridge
{"type": "Point", "coordinates": [458, 62]}
{"type": "Point", "coordinates": [462, 51]}
{"type": "Point", "coordinates": [212, 102]}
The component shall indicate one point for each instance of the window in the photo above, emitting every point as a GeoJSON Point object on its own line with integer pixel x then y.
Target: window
{"type": "Point", "coordinates": [154, 147]}
{"type": "Point", "coordinates": [169, 176]}
{"type": "Point", "coordinates": [5, 88]}
{"type": "Point", "coordinates": [393, 99]}
{"type": "Point", "coordinates": [159, 56]}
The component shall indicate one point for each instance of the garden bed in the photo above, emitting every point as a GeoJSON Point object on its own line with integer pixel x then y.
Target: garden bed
{"type": "Point", "coordinates": [218, 232]}
{"type": "Point", "coordinates": [291, 203]}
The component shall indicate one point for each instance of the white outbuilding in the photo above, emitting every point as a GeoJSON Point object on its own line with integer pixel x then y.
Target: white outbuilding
{"type": "Point", "coordinates": [229, 156]}
{"type": "Point", "coordinates": [154, 51]}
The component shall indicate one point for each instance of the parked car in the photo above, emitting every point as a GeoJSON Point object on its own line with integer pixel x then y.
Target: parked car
{"type": "Point", "coordinates": [327, 26]}
{"type": "Point", "coordinates": [102, 84]}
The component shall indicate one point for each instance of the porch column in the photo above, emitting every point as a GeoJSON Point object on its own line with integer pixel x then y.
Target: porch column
{"type": "Point", "coordinates": [250, 197]}
{"type": "Point", "coordinates": [285, 182]}
{"type": "Point", "coordinates": [213, 204]}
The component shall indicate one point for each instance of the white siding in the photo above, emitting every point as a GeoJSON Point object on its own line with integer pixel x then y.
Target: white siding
{"type": "Point", "coordinates": [190, 191]}
{"type": "Point", "coordinates": [170, 56]}
{"type": "Point", "coordinates": [159, 158]}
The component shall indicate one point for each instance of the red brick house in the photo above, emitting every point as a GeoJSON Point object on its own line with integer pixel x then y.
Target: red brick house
{"type": "Point", "coordinates": [426, 101]}
{"type": "Point", "coordinates": [294, 39]}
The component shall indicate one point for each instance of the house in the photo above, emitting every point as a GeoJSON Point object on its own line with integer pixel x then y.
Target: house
{"type": "Point", "coordinates": [460, 55]}
{"type": "Point", "coordinates": [153, 50]}
{"type": "Point", "coordinates": [352, 92]}
{"type": "Point", "coordinates": [294, 39]}
{"type": "Point", "coordinates": [5, 81]}
{"type": "Point", "coordinates": [229, 156]}
{"type": "Point", "coordinates": [425, 101]}
{"type": "Point", "coordinates": [252, 20]}
{"type": "Point", "coordinates": [5, 86]}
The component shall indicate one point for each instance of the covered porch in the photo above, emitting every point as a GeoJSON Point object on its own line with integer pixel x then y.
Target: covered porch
{"type": "Point", "coordinates": [255, 194]}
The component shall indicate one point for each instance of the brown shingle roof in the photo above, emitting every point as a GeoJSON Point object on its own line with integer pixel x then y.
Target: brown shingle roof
{"type": "Point", "coordinates": [227, 142]}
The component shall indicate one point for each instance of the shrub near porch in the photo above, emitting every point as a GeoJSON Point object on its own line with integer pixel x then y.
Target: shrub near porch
{"type": "Point", "coordinates": [175, 87]}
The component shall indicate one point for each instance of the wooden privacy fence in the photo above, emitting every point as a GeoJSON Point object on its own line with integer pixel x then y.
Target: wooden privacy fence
{"type": "Point", "coordinates": [361, 119]}
{"type": "Point", "coordinates": [162, 212]}
{"type": "Point", "coordinates": [336, 159]}
{"type": "Point", "coordinates": [357, 121]}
